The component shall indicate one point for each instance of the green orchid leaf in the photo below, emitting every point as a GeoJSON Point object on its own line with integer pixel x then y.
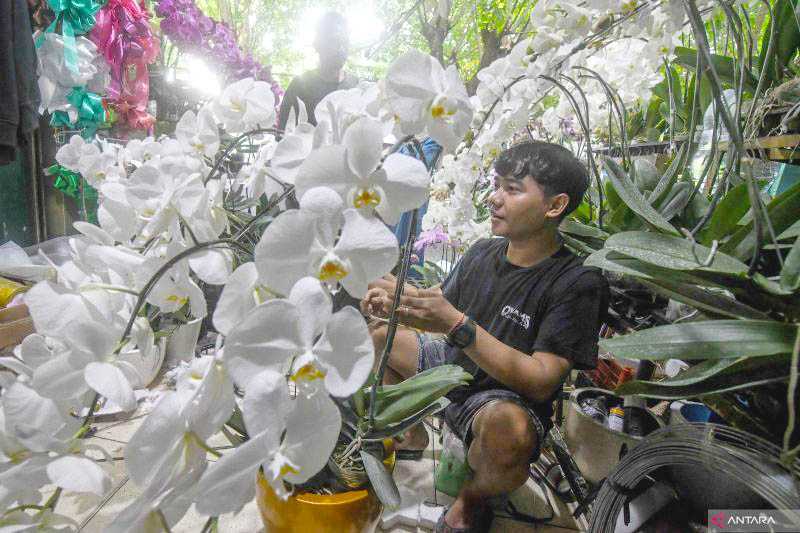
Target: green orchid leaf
{"type": "Point", "coordinates": [381, 479]}
{"type": "Point", "coordinates": [783, 212]}
{"type": "Point", "coordinates": [710, 339]}
{"type": "Point", "coordinates": [669, 177]}
{"type": "Point", "coordinates": [730, 210]}
{"type": "Point", "coordinates": [705, 300]}
{"type": "Point", "coordinates": [674, 253]}
{"type": "Point", "coordinates": [634, 199]}
{"type": "Point", "coordinates": [574, 227]}
{"type": "Point", "coordinates": [613, 261]}
{"type": "Point", "coordinates": [790, 273]}
{"type": "Point", "coordinates": [791, 232]}
{"type": "Point", "coordinates": [726, 67]}
{"type": "Point", "coordinates": [712, 377]}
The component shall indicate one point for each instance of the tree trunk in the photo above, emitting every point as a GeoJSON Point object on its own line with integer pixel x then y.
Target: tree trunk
{"type": "Point", "coordinates": [491, 50]}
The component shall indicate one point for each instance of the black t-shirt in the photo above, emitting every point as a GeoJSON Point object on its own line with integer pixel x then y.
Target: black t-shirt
{"type": "Point", "coordinates": [556, 306]}
{"type": "Point", "coordinates": [311, 89]}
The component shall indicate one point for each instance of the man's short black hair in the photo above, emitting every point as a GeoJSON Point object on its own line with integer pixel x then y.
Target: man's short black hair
{"type": "Point", "coordinates": [553, 167]}
{"type": "Point", "coordinates": [331, 22]}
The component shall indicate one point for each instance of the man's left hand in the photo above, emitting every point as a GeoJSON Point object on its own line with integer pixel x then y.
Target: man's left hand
{"type": "Point", "coordinates": [428, 311]}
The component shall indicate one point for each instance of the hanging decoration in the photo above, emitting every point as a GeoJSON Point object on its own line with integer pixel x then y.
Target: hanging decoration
{"type": "Point", "coordinates": [123, 37]}
{"type": "Point", "coordinates": [189, 29]}
{"type": "Point", "coordinates": [93, 60]}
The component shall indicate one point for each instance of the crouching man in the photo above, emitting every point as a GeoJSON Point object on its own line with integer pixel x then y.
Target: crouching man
{"type": "Point", "coordinates": [519, 312]}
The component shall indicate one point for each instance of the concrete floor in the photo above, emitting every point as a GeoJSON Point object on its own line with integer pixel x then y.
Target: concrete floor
{"type": "Point", "coordinates": [418, 512]}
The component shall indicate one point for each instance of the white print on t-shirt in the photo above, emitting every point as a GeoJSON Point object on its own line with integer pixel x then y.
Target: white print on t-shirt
{"type": "Point", "coordinates": [516, 316]}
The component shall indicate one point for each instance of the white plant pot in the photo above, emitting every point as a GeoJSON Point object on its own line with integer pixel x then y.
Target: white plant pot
{"type": "Point", "coordinates": [182, 343]}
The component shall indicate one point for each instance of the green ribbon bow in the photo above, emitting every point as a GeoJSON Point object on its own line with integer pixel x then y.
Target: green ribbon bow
{"type": "Point", "coordinates": [77, 18]}
{"type": "Point", "coordinates": [72, 184]}
{"type": "Point", "coordinates": [90, 112]}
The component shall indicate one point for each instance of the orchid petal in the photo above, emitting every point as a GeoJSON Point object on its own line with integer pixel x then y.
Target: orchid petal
{"type": "Point", "coordinates": [266, 403]}
{"type": "Point", "coordinates": [312, 430]}
{"type": "Point", "coordinates": [79, 474]}
{"type": "Point", "coordinates": [230, 482]}
{"type": "Point", "coordinates": [267, 337]}
{"type": "Point", "coordinates": [364, 143]}
{"type": "Point", "coordinates": [281, 255]}
{"type": "Point", "coordinates": [237, 298]}
{"type": "Point", "coordinates": [345, 352]}
{"type": "Point", "coordinates": [109, 381]}
{"type": "Point", "coordinates": [406, 187]}
{"type": "Point", "coordinates": [325, 167]}
{"type": "Point", "coordinates": [371, 249]}
{"type": "Point", "coordinates": [314, 307]}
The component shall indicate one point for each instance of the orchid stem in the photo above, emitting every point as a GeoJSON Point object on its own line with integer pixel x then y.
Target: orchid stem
{"type": "Point", "coordinates": [393, 317]}
{"type": "Point", "coordinates": [234, 144]}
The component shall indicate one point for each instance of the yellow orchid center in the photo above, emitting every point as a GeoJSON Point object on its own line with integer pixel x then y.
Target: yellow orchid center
{"type": "Point", "coordinates": [437, 111]}
{"type": "Point", "coordinates": [332, 270]}
{"type": "Point", "coordinates": [237, 106]}
{"type": "Point", "coordinates": [308, 372]}
{"type": "Point", "coordinates": [288, 469]}
{"type": "Point", "coordinates": [366, 198]}
{"type": "Point", "coordinates": [177, 299]}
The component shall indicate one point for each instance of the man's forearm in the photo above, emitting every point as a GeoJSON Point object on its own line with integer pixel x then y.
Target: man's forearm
{"type": "Point", "coordinates": [530, 376]}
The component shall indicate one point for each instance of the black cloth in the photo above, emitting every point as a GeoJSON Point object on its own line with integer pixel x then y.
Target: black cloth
{"type": "Point", "coordinates": [311, 89]}
{"type": "Point", "coordinates": [556, 306]}
{"type": "Point", "coordinates": [19, 89]}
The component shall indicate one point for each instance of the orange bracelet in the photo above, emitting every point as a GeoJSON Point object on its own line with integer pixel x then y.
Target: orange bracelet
{"type": "Point", "coordinates": [458, 324]}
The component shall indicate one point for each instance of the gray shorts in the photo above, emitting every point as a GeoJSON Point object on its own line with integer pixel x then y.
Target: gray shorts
{"type": "Point", "coordinates": [459, 416]}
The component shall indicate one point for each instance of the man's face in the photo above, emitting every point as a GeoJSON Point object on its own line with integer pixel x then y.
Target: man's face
{"type": "Point", "coordinates": [521, 209]}
{"type": "Point", "coordinates": [333, 47]}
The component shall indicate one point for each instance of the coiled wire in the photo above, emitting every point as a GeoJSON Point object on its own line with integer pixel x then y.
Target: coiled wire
{"type": "Point", "coordinates": [752, 460]}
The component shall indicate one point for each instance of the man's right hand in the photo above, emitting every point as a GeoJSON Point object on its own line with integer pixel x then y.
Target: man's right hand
{"type": "Point", "coordinates": [373, 303]}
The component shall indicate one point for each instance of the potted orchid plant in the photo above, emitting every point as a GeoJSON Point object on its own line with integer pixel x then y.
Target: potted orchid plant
{"type": "Point", "coordinates": [293, 384]}
{"type": "Point", "coordinates": [288, 380]}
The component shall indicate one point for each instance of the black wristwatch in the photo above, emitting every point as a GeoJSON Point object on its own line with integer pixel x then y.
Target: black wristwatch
{"type": "Point", "coordinates": [463, 335]}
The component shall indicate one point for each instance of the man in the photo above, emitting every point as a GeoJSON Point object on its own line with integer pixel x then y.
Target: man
{"type": "Point", "coordinates": [332, 44]}
{"type": "Point", "coordinates": [519, 312]}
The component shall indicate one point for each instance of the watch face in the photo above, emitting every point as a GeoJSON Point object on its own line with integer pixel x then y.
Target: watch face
{"type": "Point", "coordinates": [464, 335]}
{"type": "Point", "coordinates": [461, 337]}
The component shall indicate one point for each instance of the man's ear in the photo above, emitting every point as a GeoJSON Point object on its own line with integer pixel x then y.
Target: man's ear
{"type": "Point", "coordinates": [557, 205]}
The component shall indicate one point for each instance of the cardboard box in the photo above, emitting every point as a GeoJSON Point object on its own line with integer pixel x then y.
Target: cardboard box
{"type": "Point", "coordinates": [15, 324]}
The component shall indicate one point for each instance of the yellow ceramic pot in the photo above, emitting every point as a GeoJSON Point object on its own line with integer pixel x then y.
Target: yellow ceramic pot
{"type": "Point", "coordinates": [356, 511]}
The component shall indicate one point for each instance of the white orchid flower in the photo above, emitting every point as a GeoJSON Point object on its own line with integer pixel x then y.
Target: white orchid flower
{"type": "Point", "coordinates": [425, 97]}
{"type": "Point", "coordinates": [302, 242]}
{"type": "Point", "coordinates": [256, 177]}
{"type": "Point", "coordinates": [176, 430]}
{"type": "Point", "coordinates": [241, 293]}
{"type": "Point", "coordinates": [303, 331]}
{"type": "Point", "coordinates": [291, 439]}
{"type": "Point", "coordinates": [38, 445]}
{"type": "Point", "coordinates": [176, 287]}
{"type": "Point", "coordinates": [70, 155]}
{"type": "Point", "coordinates": [160, 198]}
{"type": "Point", "coordinates": [139, 151]}
{"type": "Point", "coordinates": [199, 132]}
{"type": "Point", "coordinates": [245, 105]}
{"type": "Point", "coordinates": [340, 109]}
{"type": "Point", "coordinates": [294, 147]}
{"type": "Point", "coordinates": [354, 170]}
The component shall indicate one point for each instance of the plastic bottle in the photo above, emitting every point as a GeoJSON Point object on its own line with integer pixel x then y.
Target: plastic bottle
{"type": "Point", "coordinates": [616, 418]}
{"type": "Point", "coordinates": [595, 408]}
{"type": "Point", "coordinates": [452, 470]}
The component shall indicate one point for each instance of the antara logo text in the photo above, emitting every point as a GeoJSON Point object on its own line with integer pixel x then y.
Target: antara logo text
{"type": "Point", "coordinates": [721, 521]}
